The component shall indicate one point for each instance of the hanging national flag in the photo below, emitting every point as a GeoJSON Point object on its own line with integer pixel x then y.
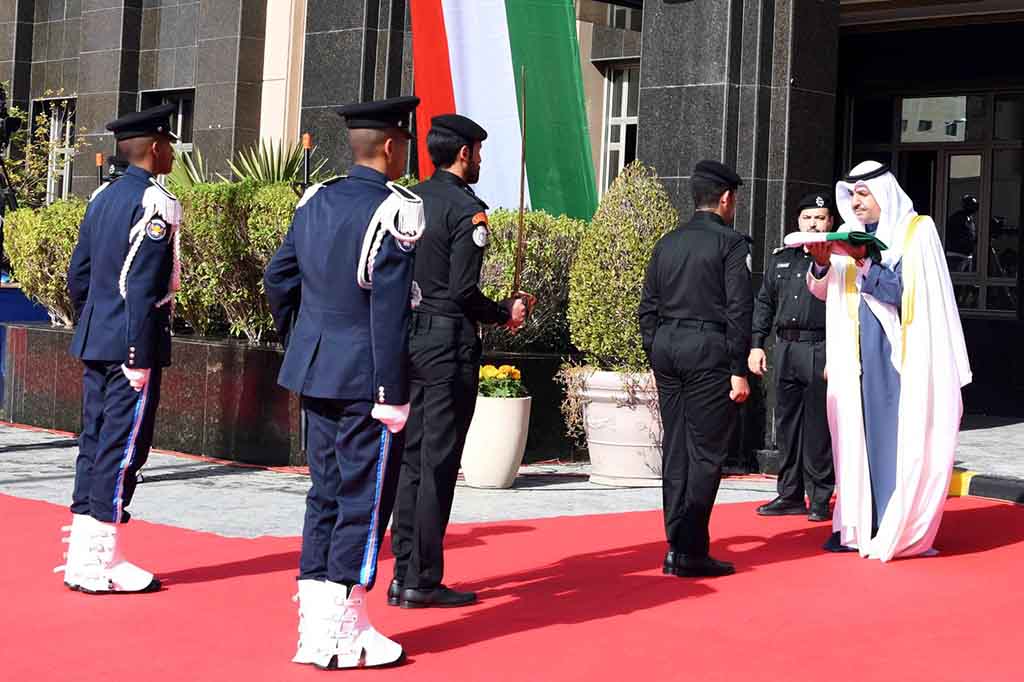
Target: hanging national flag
{"type": "Point", "coordinates": [468, 58]}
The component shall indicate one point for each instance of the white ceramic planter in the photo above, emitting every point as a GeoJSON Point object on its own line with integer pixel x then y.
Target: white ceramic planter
{"type": "Point", "coordinates": [496, 442]}
{"type": "Point", "coordinates": [624, 441]}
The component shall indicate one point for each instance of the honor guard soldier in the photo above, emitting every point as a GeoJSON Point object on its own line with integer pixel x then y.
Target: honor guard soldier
{"type": "Point", "coordinates": [444, 353]}
{"type": "Point", "coordinates": [695, 323]}
{"type": "Point", "coordinates": [339, 290]}
{"type": "Point", "coordinates": [124, 272]}
{"type": "Point", "coordinates": [785, 303]}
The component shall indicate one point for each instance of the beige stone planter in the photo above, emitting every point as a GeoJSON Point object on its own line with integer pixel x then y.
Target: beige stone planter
{"type": "Point", "coordinates": [624, 440]}
{"type": "Point", "coordinates": [496, 442]}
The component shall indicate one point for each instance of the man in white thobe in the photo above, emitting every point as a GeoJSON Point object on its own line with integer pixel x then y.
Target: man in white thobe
{"type": "Point", "coordinates": [896, 364]}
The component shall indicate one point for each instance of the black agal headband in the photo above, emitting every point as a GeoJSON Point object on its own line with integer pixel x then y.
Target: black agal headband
{"type": "Point", "coordinates": [870, 175]}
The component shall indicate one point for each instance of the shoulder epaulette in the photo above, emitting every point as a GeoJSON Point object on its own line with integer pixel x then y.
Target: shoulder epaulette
{"type": "Point", "coordinates": [313, 189]}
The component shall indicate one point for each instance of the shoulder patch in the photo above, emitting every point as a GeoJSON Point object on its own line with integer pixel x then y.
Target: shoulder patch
{"type": "Point", "coordinates": [480, 218]}
{"type": "Point", "coordinates": [481, 235]}
{"type": "Point", "coordinates": [156, 229]}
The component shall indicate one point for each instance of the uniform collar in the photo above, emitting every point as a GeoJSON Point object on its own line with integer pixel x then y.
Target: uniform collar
{"type": "Point", "coordinates": [711, 216]}
{"type": "Point", "coordinates": [141, 173]}
{"type": "Point", "coordinates": [367, 173]}
{"type": "Point", "coordinates": [451, 178]}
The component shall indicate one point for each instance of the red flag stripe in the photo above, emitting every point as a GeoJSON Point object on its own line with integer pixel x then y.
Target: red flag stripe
{"type": "Point", "coordinates": [432, 72]}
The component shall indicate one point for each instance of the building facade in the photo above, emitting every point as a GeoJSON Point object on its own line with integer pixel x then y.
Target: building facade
{"type": "Point", "coordinates": [789, 92]}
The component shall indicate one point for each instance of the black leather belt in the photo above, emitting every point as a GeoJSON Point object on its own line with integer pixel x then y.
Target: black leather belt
{"type": "Point", "coordinates": [425, 321]}
{"type": "Point", "coordinates": [807, 335]}
{"type": "Point", "coordinates": [702, 325]}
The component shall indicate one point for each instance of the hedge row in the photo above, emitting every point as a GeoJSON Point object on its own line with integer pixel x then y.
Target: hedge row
{"type": "Point", "coordinates": [586, 276]}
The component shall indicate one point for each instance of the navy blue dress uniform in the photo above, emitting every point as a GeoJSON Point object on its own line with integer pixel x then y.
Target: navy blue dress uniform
{"type": "Point", "coordinates": [444, 353]}
{"type": "Point", "coordinates": [695, 323]}
{"type": "Point", "coordinates": [122, 278]}
{"type": "Point", "coordinates": [339, 290]}
{"type": "Point", "coordinates": [786, 305]}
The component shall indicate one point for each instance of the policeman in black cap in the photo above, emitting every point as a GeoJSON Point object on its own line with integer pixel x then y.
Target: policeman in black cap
{"type": "Point", "coordinates": [445, 360]}
{"type": "Point", "coordinates": [123, 275]}
{"type": "Point", "coordinates": [695, 323]}
{"type": "Point", "coordinates": [785, 303]}
{"type": "Point", "coordinates": [116, 167]}
{"type": "Point", "coordinates": [339, 289]}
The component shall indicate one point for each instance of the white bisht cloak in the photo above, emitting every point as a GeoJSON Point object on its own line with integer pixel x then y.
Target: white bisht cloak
{"type": "Point", "coordinates": [928, 351]}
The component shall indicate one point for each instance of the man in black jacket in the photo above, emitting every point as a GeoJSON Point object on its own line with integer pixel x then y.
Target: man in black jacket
{"type": "Point", "coordinates": [695, 321]}
{"type": "Point", "coordinates": [444, 356]}
{"type": "Point", "coordinates": [785, 303]}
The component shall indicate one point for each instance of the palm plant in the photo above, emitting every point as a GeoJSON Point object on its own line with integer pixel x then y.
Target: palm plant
{"type": "Point", "coordinates": [273, 162]}
{"type": "Point", "coordinates": [189, 169]}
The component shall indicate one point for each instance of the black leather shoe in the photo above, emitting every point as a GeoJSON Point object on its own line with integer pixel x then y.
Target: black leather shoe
{"type": "Point", "coordinates": [703, 567]}
{"type": "Point", "coordinates": [781, 507]}
{"type": "Point", "coordinates": [670, 563]}
{"type": "Point", "coordinates": [440, 597]}
{"type": "Point", "coordinates": [819, 514]}
{"type": "Point", "coordinates": [834, 544]}
{"type": "Point", "coordinates": [395, 592]}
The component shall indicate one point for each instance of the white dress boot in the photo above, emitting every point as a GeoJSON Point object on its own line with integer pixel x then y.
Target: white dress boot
{"type": "Point", "coordinates": [317, 622]}
{"type": "Point", "coordinates": [104, 568]}
{"type": "Point", "coordinates": [77, 555]}
{"type": "Point", "coordinates": [359, 644]}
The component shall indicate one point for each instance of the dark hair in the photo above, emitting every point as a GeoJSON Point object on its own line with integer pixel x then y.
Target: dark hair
{"type": "Point", "coordinates": [706, 192]}
{"type": "Point", "coordinates": [443, 147]}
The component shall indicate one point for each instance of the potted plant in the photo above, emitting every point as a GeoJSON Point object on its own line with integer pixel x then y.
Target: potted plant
{"type": "Point", "coordinates": [612, 399]}
{"type": "Point", "coordinates": [502, 407]}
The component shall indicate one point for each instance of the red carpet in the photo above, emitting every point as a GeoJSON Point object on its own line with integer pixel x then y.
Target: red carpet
{"type": "Point", "coordinates": [563, 599]}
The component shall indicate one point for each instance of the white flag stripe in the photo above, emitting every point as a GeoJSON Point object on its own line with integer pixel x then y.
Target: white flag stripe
{"type": "Point", "coordinates": [483, 80]}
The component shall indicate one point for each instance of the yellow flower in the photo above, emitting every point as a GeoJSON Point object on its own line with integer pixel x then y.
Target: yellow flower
{"type": "Point", "coordinates": [488, 372]}
{"type": "Point", "coordinates": [507, 369]}
{"type": "Point", "coordinates": [516, 374]}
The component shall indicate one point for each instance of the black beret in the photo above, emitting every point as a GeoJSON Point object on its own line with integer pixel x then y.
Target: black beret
{"type": "Point", "coordinates": [117, 164]}
{"type": "Point", "coordinates": [717, 172]}
{"type": "Point", "coordinates": [817, 200]}
{"type": "Point", "coordinates": [380, 115]}
{"type": "Point", "coordinates": [460, 126]}
{"type": "Point", "coordinates": [145, 123]}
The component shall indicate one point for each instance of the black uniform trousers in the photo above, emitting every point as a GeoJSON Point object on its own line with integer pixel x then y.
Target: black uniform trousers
{"type": "Point", "coordinates": [802, 423]}
{"type": "Point", "coordinates": [117, 432]}
{"type": "Point", "coordinates": [353, 467]}
{"type": "Point", "coordinates": [691, 368]}
{"type": "Point", "coordinates": [444, 359]}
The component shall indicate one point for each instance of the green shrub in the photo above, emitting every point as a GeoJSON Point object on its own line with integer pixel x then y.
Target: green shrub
{"type": "Point", "coordinates": [551, 246]}
{"type": "Point", "coordinates": [231, 230]}
{"type": "Point", "coordinates": [607, 277]}
{"type": "Point", "coordinates": [39, 243]}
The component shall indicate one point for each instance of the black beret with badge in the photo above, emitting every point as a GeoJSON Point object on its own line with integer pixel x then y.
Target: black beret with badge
{"type": "Point", "coordinates": [460, 126]}
{"type": "Point", "coordinates": [717, 172]}
{"type": "Point", "coordinates": [382, 114]}
{"type": "Point", "coordinates": [146, 123]}
{"type": "Point", "coordinates": [816, 200]}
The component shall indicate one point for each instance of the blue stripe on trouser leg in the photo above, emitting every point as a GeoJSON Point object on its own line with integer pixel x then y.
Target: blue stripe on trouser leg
{"type": "Point", "coordinates": [129, 452]}
{"type": "Point", "coordinates": [368, 571]}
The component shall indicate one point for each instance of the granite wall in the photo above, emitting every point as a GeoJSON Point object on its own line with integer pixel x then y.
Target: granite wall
{"type": "Point", "coordinates": [356, 50]}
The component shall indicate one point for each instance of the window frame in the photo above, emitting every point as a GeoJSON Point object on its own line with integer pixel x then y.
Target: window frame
{"type": "Point", "coordinates": [63, 156]}
{"type": "Point", "coordinates": [608, 121]}
{"type": "Point", "coordinates": [630, 13]}
{"type": "Point", "coordinates": [988, 147]}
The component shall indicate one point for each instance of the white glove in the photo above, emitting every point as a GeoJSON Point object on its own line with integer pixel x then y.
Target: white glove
{"type": "Point", "coordinates": [138, 378]}
{"type": "Point", "coordinates": [391, 416]}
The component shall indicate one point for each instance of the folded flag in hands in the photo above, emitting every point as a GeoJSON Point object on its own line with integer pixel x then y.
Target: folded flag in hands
{"type": "Point", "coordinates": [856, 238]}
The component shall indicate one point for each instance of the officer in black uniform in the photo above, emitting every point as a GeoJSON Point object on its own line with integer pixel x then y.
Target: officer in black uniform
{"type": "Point", "coordinates": [122, 278]}
{"type": "Point", "coordinates": [445, 360]}
{"type": "Point", "coordinates": [695, 323]}
{"type": "Point", "coordinates": [786, 304]}
{"type": "Point", "coordinates": [339, 290]}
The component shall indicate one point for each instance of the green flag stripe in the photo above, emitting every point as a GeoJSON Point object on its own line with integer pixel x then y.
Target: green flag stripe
{"type": "Point", "coordinates": [542, 34]}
